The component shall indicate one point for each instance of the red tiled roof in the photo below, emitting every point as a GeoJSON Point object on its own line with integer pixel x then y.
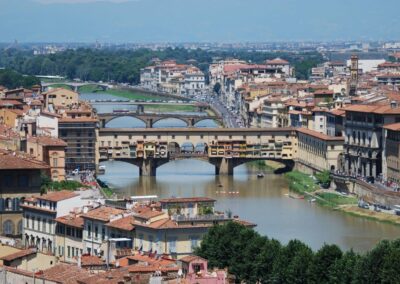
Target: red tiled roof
{"type": "Point", "coordinates": [125, 223]}
{"type": "Point", "coordinates": [103, 213]}
{"type": "Point", "coordinates": [392, 126]}
{"type": "Point", "coordinates": [277, 61]}
{"type": "Point", "coordinates": [18, 161]}
{"type": "Point", "coordinates": [191, 258]}
{"type": "Point", "coordinates": [187, 200]}
{"type": "Point", "coordinates": [10, 103]}
{"type": "Point", "coordinates": [377, 109]}
{"type": "Point", "coordinates": [47, 141]}
{"type": "Point", "coordinates": [58, 195]}
{"type": "Point", "coordinates": [91, 260]}
{"type": "Point", "coordinates": [71, 220]}
{"type": "Point", "coordinates": [319, 135]}
{"type": "Point", "coordinates": [18, 254]}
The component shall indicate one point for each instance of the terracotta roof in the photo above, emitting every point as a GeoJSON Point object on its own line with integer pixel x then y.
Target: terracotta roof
{"type": "Point", "coordinates": [18, 161]}
{"type": "Point", "coordinates": [323, 92]}
{"type": "Point", "coordinates": [151, 268]}
{"type": "Point", "coordinates": [187, 200]}
{"type": "Point", "coordinates": [10, 103]}
{"type": "Point", "coordinates": [125, 223]}
{"type": "Point", "coordinates": [392, 126]}
{"type": "Point", "coordinates": [71, 220]}
{"type": "Point", "coordinates": [319, 135]}
{"type": "Point", "coordinates": [50, 113]}
{"type": "Point", "coordinates": [377, 109]}
{"type": "Point", "coordinates": [58, 195]}
{"type": "Point", "coordinates": [64, 273]}
{"type": "Point", "coordinates": [338, 112]}
{"type": "Point", "coordinates": [147, 213]}
{"type": "Point", "coordinates": [18, 254]}
{"type": "Point", "coordinates": [91, 260]}
{"type": "Point", "coordinates": [103, 213]}
{"type": "Point", "coordinates": [191, 258]}
{"type": "Point", "coordinates": [47, 141]}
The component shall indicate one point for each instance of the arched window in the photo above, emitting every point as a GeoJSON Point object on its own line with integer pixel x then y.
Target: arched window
{"type": "Point", "coordinates": [8, 227]}
{"type": "Point", "coordinates": [19, 228]}
{"type": "Point", "coordinates": [8, 205]}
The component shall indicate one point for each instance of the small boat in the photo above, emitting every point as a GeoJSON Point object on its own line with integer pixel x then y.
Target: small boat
{"type": "Point", "coordinates": [312, 200]}
{"type": "Point", "coordinates": [260, 175]}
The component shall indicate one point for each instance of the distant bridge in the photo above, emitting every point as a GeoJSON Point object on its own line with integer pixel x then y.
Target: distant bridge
{"type": "Point", "coordinates": [150, 118]}
{"type": "Point", "coordinates": [225, 148]}
{"type": "Point", "coordinates": [76, 85]}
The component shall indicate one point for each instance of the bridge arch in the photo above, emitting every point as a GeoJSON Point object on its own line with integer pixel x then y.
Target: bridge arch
{"type": "Point", "coordinates": [134, 119]}
{"type": "Point", "coordinates": [172, 117]}
{"type": "Point", "coordinates": [198, 122]}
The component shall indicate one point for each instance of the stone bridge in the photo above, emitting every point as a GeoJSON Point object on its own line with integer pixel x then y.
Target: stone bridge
{"type": "Point", "coordinates": [225, 148]}
{"type": "Point", "coordinates": [150, 118]}
{"type": "Point", "coordinates": [76, 85]}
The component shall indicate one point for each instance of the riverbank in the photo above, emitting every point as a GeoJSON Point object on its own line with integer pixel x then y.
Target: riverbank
{"type": "Point", "coordinates": [305, 186]}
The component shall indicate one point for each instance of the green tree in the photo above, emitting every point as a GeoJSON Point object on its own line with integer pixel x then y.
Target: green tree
{"type": "Point", "coordinates": [343, 270]}
{"type": "Point", "coordinates": [323, 262]}
{"type": "Point", "coordinates": [324, 178]}
{"type": "Point", "coordinates": [217, 88]}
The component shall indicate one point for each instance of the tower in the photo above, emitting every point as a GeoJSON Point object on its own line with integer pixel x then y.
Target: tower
{"type": "Point", "coordinates": [353, 75]}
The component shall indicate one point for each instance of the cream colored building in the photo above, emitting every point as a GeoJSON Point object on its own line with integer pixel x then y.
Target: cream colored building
{"type": "Point", "coordinates": [69, 231]}
{"type": "Point", "coordinates": [318, 151]}
{"type": "Point", "coordinates": [60, 97]}
{"type": "Point", "coordinates": [51, 151]}
{"type": "Point", "coordinates": [391, 153]}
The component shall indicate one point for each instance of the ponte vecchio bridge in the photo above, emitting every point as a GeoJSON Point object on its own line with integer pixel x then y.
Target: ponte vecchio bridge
{"type": "Point", "coordinates": [150, 118]}
{"type": "Point", "coordinates": [225, 148]}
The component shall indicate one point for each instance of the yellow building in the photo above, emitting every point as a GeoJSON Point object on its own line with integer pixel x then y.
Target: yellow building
{"type": "Point", "coordinates": [60, 97]}
{"type": "Point", "coordinates": [318, 151]}
{"type": "Point", "coordinates": [391, 153]}
{"type": "Point", "coordinates": [19, 178]}
{"type": "Point", "coordinates": [51, 151]}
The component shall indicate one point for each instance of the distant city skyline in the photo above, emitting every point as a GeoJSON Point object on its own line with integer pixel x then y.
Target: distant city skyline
{"type": "Point", "coordinates": [146, 21]}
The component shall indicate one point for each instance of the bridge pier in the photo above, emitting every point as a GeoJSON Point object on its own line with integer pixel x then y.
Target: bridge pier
{"type": "Point", "coordinates": [148, 168]}
{"type": "Point", "coordinates": [224, 167]}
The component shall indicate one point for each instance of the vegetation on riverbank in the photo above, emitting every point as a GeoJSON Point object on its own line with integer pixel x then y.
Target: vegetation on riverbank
{"type": "Point", "coordinates": [124, 65]}
{"type": "Point", "coordinates": [253, 258]}
{"type": "Point", "coordinates": [11, 79]}
{"type": "Point", "coordinates": [123, 93]}
{"type": "Point", "coordinates": [49, 185]}
{"type": "Point", "coordinates": [305, 185]}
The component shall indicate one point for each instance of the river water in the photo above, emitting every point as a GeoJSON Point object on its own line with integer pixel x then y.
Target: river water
{"type": "Point", "coordinates": [262, 201]}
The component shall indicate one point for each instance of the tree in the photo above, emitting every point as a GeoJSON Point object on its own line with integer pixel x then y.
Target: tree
{"type": "Point", "coordinates": [342, 270]}
{"type": "Point", "coordinates": [217, 88]}
{"type": "Point", "coordinates": [324, 178]}
{"type": "Point", "coordinates": [323, 262]}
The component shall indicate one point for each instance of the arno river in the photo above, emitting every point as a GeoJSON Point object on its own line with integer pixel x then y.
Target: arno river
{"type": "Point", "coordinates": [262, 201]}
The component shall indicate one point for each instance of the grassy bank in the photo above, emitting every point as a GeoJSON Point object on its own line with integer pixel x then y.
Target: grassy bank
{"type": "Point", "coordinates": [128, 94]}
{"type": "Point", "coordinates": [303, 184]}
{"type": "Point", "coordinates": [170, 108]}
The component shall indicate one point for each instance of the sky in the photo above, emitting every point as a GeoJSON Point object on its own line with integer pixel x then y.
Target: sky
{"type": "Point", "coordinates": [197, 20]}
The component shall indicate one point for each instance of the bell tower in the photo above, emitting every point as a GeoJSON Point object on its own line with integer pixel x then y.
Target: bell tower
{"type": "Point", "coordinates": [353, 75]}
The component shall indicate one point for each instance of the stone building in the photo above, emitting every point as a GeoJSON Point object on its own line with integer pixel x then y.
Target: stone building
{"type": "Point", "coordinates": [391, 153]}
{"type": "Point", "coordinates": [363, 137]}
{"type": "Point", "coordinates": [318, 151]}
{"type": "Point", "coordinates": [19, 178]}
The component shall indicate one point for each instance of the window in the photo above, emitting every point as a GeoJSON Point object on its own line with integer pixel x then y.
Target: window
{"type": "Point", "coordinates": [89, 229]}
{"type": "Point", "coordinates": [7, 180]}
{"type": "Point", "coordinates": [8, 227]}
{"type": "Point", "coordinates": [23, 180]}
{"type": "Point", "coordinates": [55, 162]}
{"type": "Point", "coordinates": [96, 232]}
{"type": "Point", "coordinates": [69, 251]}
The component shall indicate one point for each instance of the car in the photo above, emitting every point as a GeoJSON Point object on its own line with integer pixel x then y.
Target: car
{"type": "Point", "coordinates": [75, 172]}
{"type": "Point", "coordinates": [370, 179]}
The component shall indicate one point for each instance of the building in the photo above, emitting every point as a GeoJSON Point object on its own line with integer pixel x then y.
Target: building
{"type": "Point", "coordinates": [195, 270]}
{"type": "Point", "coordinates": [391, 153]}
{"type": "Point", "coordinates": [363, 137]}
{"type": "Point", "coordinates": [194, 82]}
{"type": "Point", "coordinates": [78, 129]}
{"type": "Point", "coordinates": [318, 151]}
{"type": "Point", "coordinates": [95, 232]}
{"type": "Point", "coordinates": [273, 113]}
{"type": "Point", "coordinates": [60, 97]}
{"type": "Point", "coordinates": [51, 151]}
{"type": "Point", "coordinates": [40, 215]}
{"type": "Point", "coordinates": [69, 237]}
{"type": "Point", "coordinates": [20, 177]}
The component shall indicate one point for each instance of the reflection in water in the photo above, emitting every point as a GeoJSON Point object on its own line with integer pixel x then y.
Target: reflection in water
{"type": "Point", "coordinates": [261, 201]}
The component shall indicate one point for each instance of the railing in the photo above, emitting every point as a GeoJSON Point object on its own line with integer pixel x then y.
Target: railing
{"type": "Point", "coordinates": [208, 217]}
